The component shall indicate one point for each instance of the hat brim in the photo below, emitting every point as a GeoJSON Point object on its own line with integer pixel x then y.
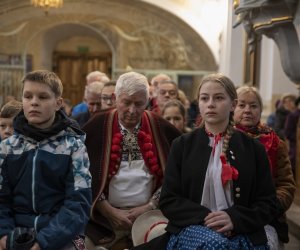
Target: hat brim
{"type": "Point", "coordinates": [153, 222]}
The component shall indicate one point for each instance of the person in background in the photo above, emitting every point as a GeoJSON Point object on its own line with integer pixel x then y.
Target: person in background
{"type": "Point", "coordinates": [67, 106]}
{"type": "Point", "coordinates": [167, 90]}
{"type": "Point", "coordinates": [287, 106]}
{"type": "Point", "coordinates": [156, 80]}
{"type": "Point", "coordinates": [107, 99]}
{"type": "Point", "coordinates": [7, 114]}
{"type": "Point", "coordinates": [290, 131]}
{"type": "Point", "coordinates": [45, 184]}
{"type": "Point", "coordinates": [153, 89]}
{"type": "Point", "coordinates": [271, 118]}
{"type": "Point", "coordinates": [247, 117]}
{"type": "Point", "coordinates": [127, 148]}
{"type": "Point", "coordinates": [95, 76]}
{"type": "Point", "coordinates": [92, 97]}
{"type": "Point", "coordinates": [175, 113]}
{"type": "Point", "coordinates": [217, 191]}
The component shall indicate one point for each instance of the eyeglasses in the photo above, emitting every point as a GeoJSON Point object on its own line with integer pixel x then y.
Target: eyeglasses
{"type": "Point", "coordinates": [107, 98]}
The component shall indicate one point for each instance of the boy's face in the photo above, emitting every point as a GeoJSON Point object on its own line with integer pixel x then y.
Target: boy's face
{"type": "Point", "coordinates": [39, 104]}
{"type": "Point", "coordinates": [6, 127]}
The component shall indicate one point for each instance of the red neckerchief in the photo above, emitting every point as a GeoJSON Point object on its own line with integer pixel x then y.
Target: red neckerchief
{"type": "Point", "coordinates": [268, 138]}
{"type": "Point", "coordinates": [217, 138]}
{"type": "Point", "coordinates": [228, 172]}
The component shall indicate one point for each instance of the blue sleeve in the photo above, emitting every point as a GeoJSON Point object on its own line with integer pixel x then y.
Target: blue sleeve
{"type": "Point", "coordinates": [74, 214]}
{"type": "Point", "coordinates": [6, 214]}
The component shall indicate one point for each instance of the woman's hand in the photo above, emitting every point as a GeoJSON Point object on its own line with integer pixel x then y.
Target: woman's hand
{"type": "Point", "coordinates": [219, 221]}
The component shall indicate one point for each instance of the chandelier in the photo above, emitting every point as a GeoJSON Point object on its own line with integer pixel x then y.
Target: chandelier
{"type": "Point", "coordinates": [47, 4]}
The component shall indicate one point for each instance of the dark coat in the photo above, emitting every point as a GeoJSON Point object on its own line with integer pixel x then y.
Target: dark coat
{"type": "Point", "coordinates": [255, 203]}
{"type": "Point", "coordinates": [98, 141]}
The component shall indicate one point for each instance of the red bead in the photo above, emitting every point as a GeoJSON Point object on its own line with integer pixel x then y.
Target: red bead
{"type": "Point", "coordinates": [147, 139]}
{"type": "Point", "coordinates": [153, 161]}
{"type": "Point", "coordinates": [116, 141]}
{"type": "Point", "coordinates": [149, 154]}
{"type": "Point", "coordinates": [147, 146]}
{"type": "Point", "coordinates": [114, 157]}
{"type": "Point", "coordinates": [154, 168]}
{"type": "Point", "coordinates": [115, 148]}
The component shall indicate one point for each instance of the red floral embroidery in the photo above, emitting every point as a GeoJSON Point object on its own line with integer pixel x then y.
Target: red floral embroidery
{"type": "Point", "coordinates": [228, 172]}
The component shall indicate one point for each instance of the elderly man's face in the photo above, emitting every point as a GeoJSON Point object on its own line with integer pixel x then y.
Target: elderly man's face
{"type": "Point", "coordinates": [94, 103]}
{"type": "Point", "coordinates": [130, 108]}
{"type": "Point", "coordinates": [166, 92]}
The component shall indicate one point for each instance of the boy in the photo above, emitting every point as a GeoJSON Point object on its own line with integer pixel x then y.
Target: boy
{"type": "Point", "coordinates": [44, 176]}
{"type": "Point", "coordinates": [7, 114]}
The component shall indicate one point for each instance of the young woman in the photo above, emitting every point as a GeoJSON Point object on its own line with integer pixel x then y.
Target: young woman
{"type": "Point", "coordinates": [247, 118]}
{"type": "Point", "coordinates": [174, 112]}
{"type": "Point", "coordinates": [217, 191]}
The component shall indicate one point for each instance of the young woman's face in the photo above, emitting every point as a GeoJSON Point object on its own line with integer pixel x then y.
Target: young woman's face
{"type": "Point", "coordinates": [39, 104]}
{"type": "Point", "coordinates": [248, 110]}
{"type": "Point", "coordinates": [215, 106]}
{"type": "Point", "coordinates": [172, 114]}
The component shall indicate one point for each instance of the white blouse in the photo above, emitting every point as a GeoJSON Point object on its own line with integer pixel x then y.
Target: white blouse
{"type": "Point", "coordinates": [215, 196]}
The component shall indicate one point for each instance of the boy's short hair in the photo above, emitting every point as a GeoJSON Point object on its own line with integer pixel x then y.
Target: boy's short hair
{"type": "Point", "coordinates": [11, 109]}
{"type": "Point", "coordinates": [46, 77]}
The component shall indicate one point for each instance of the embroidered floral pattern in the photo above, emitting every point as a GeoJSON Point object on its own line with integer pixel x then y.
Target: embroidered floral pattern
{"type": "Point", "coordinates": [146, 148]}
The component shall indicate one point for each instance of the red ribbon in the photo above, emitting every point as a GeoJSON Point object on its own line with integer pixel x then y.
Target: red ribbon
{"type": "Point", "coordinates": [151, 228]}
{"type": "Point", "coordinates": [228, 172]}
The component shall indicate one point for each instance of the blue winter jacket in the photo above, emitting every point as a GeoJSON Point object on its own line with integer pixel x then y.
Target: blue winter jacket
{"type": "Point", "coordinates": [45, 185]}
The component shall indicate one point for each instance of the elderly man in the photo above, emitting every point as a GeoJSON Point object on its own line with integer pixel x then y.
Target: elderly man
{"type": "Point", "coordinates": [128, 148]}
{"type": "Point", "coordinates": [92, 97]}
{"type": "Point", "coordinates": [95, 76]}
{"type": "Point", "coordinates": [167, 90]}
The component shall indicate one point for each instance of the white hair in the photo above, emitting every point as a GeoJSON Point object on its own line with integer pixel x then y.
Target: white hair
{"type": "Point", "coordinates": [97, 76]}
{"type": "Point", "coordinates": [94, 88]}
{"type": "Point", "coordinates": [131, 83]}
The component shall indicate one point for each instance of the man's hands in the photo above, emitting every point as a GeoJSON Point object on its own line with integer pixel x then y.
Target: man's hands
{"type": "Point", "coordinates": [220, 222]}
{"type": "Point", "coordinates": [119, 218]}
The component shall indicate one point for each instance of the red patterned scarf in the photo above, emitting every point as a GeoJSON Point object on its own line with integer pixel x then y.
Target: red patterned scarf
{"type": "Point", "coordinates": [268, 138]}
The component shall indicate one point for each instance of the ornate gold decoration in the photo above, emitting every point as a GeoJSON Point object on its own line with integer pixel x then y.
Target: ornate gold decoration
{"type": "Point", "coordinates": [236, 3]}
{"type": "Point", "coordinates": [273, 20]}
{"type": "Point", "coordinates": [46, 4]}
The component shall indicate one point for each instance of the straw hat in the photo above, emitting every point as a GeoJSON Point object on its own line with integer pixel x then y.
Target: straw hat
{"type": "Point", "coordinates": [148, 226]}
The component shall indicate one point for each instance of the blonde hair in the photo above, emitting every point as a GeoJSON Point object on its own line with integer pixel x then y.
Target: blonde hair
{"type": "Point", "coordinates": [45, 77]}
{"type": "Point", "coordinates": [249, 89]}
{"type": "Point", "coordinates": [229, 87]}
